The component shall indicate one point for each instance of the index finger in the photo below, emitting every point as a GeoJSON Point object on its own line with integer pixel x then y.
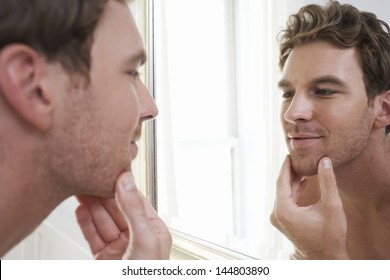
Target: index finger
{"type": "Point", "coordinates": [112, 208]}
{"type": "Point", "coordinates": [285, 178]}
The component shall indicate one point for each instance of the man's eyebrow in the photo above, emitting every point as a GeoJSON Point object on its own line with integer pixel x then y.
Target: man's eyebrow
{"type": "Point", "coordinates": [283, 83]}
{"type": "Point", "coordinates": [138, 58]}
{"type": "Point", "coordinates": [329, 79]}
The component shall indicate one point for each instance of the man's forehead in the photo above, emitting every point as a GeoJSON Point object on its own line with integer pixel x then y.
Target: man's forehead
{"type": "Point", "coordinates": [318, 59]}
{"type": "Point", "coordinates": [117, 25]}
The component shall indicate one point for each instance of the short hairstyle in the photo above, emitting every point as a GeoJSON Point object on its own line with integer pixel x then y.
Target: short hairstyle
{"type": "Point", "coordinates": [344, 26]}
{"type": "Point", "coordinates": [60, 30]}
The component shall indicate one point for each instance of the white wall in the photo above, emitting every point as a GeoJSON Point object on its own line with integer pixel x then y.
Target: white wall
{"type": "Point", "coordinates": [380, 7]}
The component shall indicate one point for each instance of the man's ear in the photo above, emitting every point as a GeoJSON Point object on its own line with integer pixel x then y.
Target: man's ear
{"type": "Point", "coordinates": [21, 71]}
{"type": "Point", "coordinates": [383, 110]}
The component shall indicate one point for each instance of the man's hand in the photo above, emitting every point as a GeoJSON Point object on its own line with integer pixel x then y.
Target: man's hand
{"type": "Point", "coordinates": [318, 231]}
{"type": "Point", "coordinates": [126, 227]}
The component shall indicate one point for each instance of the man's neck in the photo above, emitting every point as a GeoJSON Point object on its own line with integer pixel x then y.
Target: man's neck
{"type": "Point", "coordinates": [366, 180]}
{"type": "Point", "coordinates": [25, 201]}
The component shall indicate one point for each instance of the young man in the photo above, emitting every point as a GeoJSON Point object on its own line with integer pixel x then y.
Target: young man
{"type": "Point", "coordinates": [71, 109]}
{"type": "Point", "coordinates": [335, 85]}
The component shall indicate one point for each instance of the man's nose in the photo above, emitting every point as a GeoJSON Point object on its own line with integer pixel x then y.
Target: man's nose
{"type": "Point", "coordinates": [300, 109]}
{"type": "Point", "coordinates": [148, 108]}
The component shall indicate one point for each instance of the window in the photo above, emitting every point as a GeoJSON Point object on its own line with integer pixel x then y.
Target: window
{"type": "Point", "coordinates": [196, 137]}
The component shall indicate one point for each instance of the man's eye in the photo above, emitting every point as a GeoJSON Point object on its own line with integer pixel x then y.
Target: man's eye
{"type": "Point", "coordinates": [134, 74]}
{"type": "Point", "coordinates": [325, 92]}
{"type": "Point", "coordinates": [287, 94]}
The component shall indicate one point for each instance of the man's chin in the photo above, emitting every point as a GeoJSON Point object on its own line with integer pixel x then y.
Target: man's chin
{"type": "Point", "coordinates": [106, 192]}
{"type": "Point", "coordinates": [302, 168]}
{"type": "Point", "coordinates": [109, 189]}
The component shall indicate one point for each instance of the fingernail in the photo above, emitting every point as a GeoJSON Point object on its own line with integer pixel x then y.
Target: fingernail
{"type": "Point", "coordinates": [326, 164]}
{"type": "Point", "coordinates": [127, 182]}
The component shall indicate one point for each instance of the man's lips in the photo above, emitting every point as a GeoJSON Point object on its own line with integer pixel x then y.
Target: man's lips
{"type": "Point", "coordinates": [133, 150]}
{"type": "Point", "coordinates": [302, 140]}
{"type": "Point", "coordinates": [299, 136]}
{"type": "Point", "coordinates": [133, 145]}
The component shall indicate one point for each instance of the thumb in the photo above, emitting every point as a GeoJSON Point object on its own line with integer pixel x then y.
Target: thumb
{"type": "Point", "coordinates": [131, 204]}
{"type": "Point", "coordinates": [327, 180]}
{"type": "Point", "coordinates": [149, 237]}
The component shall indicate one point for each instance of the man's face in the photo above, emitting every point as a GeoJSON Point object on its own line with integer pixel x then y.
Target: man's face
{"type": "Point", "coordinates": [103, 121]}
{"type": "Point", "coordinates": [325, 110]}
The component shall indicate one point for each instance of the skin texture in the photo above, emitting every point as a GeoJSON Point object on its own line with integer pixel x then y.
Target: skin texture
{"type": "Point", "coordinates": [62, 134]}
{"type": "Point", "coordinates": [325, 110]}
{"type": "Point", "coordinates": [338, 212]}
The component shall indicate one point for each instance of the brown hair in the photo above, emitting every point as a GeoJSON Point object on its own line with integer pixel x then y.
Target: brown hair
{"type": "Point", "coordinates": [60, 30]}
{"type": "Point", "coordinates": [344, 26]}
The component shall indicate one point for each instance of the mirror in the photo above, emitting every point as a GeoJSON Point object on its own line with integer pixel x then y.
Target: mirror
{"type": "Point", "coordinates": [219, 143]}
